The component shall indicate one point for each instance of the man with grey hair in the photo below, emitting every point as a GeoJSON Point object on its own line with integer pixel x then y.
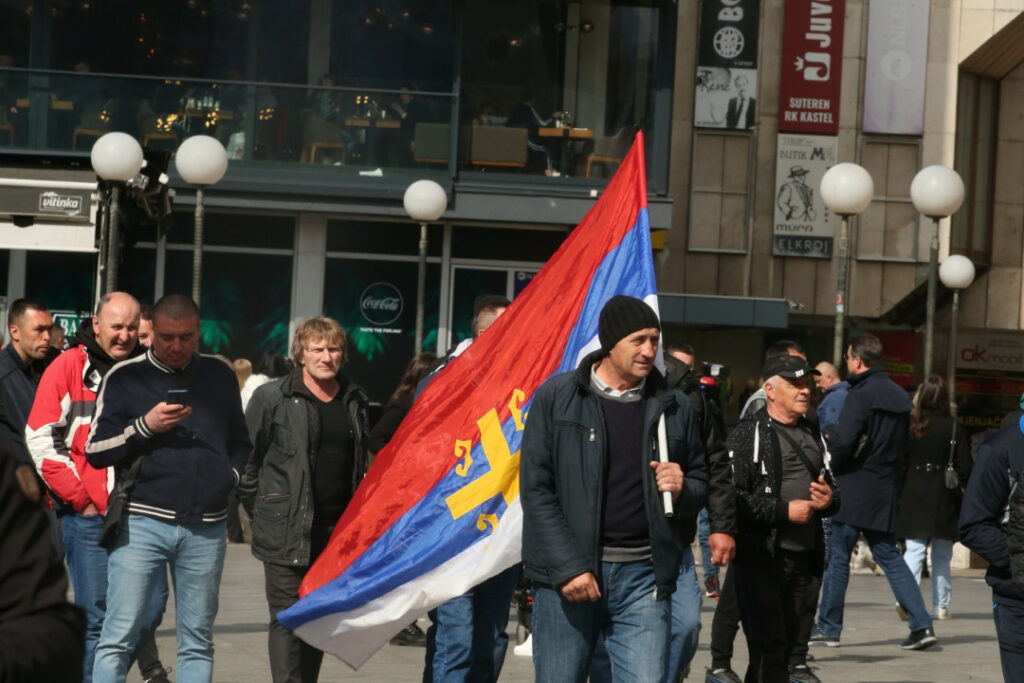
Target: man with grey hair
{"type": "Point", "coordinates": [784, 487]}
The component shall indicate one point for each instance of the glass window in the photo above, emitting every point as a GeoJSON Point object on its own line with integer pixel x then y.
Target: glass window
{"type": "Point", "coordinates": [720, 199]}
{"type": "Point", "coordinates": [977, 126]}
{"type": "Point", "coordinates": [15, 19]}
{"type": "Point", "coordinates": [375, 301]}
{"type": "Point", "coordinates": [369, 237]}
{"type": "Point", "coordinates": [888, 228]}
{"type": "Point", "coordinates": [198, 38]}
{"type": "Point", "coordinates": [244, 315]}
{"type": "Point", "coordinates": [505, 244]}
{"type": "Point", "coordinates": [405, 42]}
{"type": "Point", "coordinates": [64, 281]}
{"type": "Point", "coordinates": [577, 76]}
{"type": "Point", "coordinates": [235, 230]}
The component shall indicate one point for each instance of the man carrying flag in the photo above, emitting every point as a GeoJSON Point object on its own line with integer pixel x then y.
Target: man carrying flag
{"type": "Point", "coordinates": [597, 540]}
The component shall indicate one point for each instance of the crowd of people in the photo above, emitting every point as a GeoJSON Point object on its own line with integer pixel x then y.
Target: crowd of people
{"type": "Point", "coordinates": [139, 449]}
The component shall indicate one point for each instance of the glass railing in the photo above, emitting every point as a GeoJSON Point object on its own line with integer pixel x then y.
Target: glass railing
{"type": "Point", "coordinates": [368, 131]}
{"type": "Point", "coordinates": [375, 132]}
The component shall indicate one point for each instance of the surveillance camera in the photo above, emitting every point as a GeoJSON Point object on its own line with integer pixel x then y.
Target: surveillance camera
{"type": "Point", "coordinates": [23, 221]}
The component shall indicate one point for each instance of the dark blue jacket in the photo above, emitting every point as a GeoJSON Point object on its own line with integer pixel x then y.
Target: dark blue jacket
{"type": "Point", "coordinates": [871, 486]}
{"type": "Point", "coordinates": [187, 472]}
{"type": "Point", "coordinates": [17, 390]}
{"type": "Point", "coordinates": [983, 512]}
{"type": "Point", "coordinates": [831, 405]}
{"type": "Point", "coordinates": [562, 476]}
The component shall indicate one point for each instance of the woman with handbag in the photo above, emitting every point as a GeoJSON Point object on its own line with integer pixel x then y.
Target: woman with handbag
{"type": "Point", "coordinates": [938, 464]}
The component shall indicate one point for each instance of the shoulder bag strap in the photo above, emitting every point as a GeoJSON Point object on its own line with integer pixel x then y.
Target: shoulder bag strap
{"type": "Point", "coordinates": [800, 452]}
{"type": "Point", "coordinates": [952, 444]}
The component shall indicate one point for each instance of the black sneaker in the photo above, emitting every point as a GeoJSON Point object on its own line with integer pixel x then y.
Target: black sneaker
{"type": "Point", "coordinates": [920, 639]}
{"type": "Point", "coordinates": [158, 675]}
{"type": "Point", "coordinates": [819, 638]}
{"type": "Point", "coordinates": [411, 635]}
{"type": "Point", "coordinates": [801, 673]}
{"type": "Point", "coordinates": [722, 675]}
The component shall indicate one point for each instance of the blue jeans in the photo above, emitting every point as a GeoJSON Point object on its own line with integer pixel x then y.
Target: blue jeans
{"type": "Point", "coordinates": [467, 642]}
{"type": "Point", "coordinates": [942, 554]}
{"type": "Point", "coordinates": [837, 576]}
{"type": "Point", "coordinates": [703, 533]}
{"type": "Point", "coordinates": [634, 620]}
{"type": "Point", "coordinates": [87, 567]}
{"type": "Point", "coordinates": [137, 565]}
{"type": "Point", "coordinates": [686, 603]}
{"type": "Point", "coordinates": [685, 633]}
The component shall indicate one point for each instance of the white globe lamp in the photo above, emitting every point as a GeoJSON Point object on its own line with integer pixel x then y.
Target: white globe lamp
{"type": "Point", "coordinates": [425, 202]}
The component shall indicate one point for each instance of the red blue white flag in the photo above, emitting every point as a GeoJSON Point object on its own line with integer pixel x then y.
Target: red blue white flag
{"type": "Point", "coordinates": [439, 510]}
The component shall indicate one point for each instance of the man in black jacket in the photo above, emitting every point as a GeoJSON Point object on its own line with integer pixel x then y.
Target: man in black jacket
{"type": "Point", "coordinates": [308, 431]}
{"type": "Point", "coordinates": [992, 525]}
{"type": "Point", "coordinates": [720, 515]}
{"type": "Point", "coordinates": [784, 488]}
{"type": "Point", "coordinates": [28, 323]}
{"type": "Point", "coordinates": [878, 409]}
{"type": "Point", "coordinates": [596, 540]}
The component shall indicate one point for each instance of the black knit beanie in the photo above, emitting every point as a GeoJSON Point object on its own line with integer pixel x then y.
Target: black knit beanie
{"type": "Point", "coordinates": [621, 316]}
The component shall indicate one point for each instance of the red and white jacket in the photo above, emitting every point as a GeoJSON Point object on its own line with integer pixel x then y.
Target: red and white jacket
{"type": "Point", "coordinates": [58, 427]}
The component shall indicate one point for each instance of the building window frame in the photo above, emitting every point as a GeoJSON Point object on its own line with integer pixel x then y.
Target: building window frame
{"type": "Point", "coordinates": [747, 193]}
{"type": "Point", "coordinates": [886, 199]}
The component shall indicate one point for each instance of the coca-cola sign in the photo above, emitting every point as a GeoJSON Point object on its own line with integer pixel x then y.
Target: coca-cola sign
{"type": "Point", "coordinates": [381, 303]}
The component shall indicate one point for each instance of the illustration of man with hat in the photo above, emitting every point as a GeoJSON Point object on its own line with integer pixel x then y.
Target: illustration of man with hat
{"type": "Point", "coordinates": [796, 198]}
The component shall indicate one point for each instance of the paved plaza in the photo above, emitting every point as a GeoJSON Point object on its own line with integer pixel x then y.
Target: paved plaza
{"type": "Point", "coordinates": [870, 650]}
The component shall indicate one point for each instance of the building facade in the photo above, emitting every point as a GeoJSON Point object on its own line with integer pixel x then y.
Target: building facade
{"type": "Point", "coordinates": [329, 109]}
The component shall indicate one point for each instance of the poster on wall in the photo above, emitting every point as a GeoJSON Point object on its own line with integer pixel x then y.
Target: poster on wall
{"type": "Point", "coordinates": [726, 86]}
{"type": "Point", "coordinates": [896, 64]}
{"type": "Point", "coordinates": [803, 226]}
{"type": "Point", "coordinates": [812, 66]}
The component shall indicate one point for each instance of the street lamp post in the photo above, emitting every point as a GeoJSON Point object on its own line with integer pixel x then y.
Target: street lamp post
{"type": "Point", "coordinates": [846, 189]}
{"type": "Point", "coordinates": [201, 161]}
{"type": "Point", "coordinates": [956, 272]}
{"type": "Point", "coordinates": [937, 192]}
{"type": "Point", "coordinates": [116, 158]}
{"type": "Point", "coordinates": [425, 202]}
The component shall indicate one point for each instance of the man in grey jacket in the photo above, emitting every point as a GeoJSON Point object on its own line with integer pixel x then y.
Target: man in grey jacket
{"type": "Point", "coordinates": [596, 540]}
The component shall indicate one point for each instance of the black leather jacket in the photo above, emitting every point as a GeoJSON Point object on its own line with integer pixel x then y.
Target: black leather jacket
{"type": "Point", "coordinates": [276, 489]}
{"type": "Point", "coordinates": [562, 476]}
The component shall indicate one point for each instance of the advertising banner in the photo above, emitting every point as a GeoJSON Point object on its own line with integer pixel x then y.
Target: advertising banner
{"type": "Point", "coordinates": [812, 66]}
{"type": "Point", "coordinates": [896, 64]}
{"type": "Point", "coordinates": [990, 352]}
{"type": "Point", "coordinates": [803, 226]}
{"type": "Point", "coordinates": [726, 95]}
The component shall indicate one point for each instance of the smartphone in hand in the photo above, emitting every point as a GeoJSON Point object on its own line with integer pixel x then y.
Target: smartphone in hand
{"type": "Point", "coordinates": [177, 397]}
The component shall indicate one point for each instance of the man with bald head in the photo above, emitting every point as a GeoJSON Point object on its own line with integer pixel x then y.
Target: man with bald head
{"type": "Point", "coordinates": [834, 391]}
{"type": "Point", "coordinates": [56, 434]}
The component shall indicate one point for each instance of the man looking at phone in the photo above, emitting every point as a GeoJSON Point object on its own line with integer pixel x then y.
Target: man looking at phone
{"type": "Point", "coordinates": [56, 433]}
{"type": "Point", "coordinates": [193, 446]}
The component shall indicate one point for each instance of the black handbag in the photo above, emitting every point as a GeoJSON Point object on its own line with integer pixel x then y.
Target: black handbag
{"type": "Point", "coordinates": [952, 478]}
{"type": "Point", "coordinates": [117, 505]}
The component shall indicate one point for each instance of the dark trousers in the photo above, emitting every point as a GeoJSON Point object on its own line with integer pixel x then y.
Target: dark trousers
{"type": "Point", "coordinates": [725, 623]}
{"type": "Point", "coordinates": [1010, 633]}
{"type": "Point", "coordinates": [772, 600]}
{"type": "Point", "coordinates": [292, 660]}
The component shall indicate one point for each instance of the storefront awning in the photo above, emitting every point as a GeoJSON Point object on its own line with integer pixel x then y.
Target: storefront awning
{"type": "Point", "coordinates": [736, 311]}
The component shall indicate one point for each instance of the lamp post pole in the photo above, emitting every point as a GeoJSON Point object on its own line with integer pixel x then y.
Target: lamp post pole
{"type": "Point", "coordinates": [116, 158]}
{"type": "Point", "coordinates": [837, 337]}
{"type": "Point", "coordinates": [201, 161]}
{"type": "Point", "coordinates": [425, 202]}
{"type": "Point", "coordinates": [197, 248]}
{"type": "Point", "coordinates": [937, 192]}
{"type": "Point", "coordinates": [956, 272]}
{"type": "Point", "coordinates": [846, 189]}
{"type": "Point", "coordinates": [929, 315]}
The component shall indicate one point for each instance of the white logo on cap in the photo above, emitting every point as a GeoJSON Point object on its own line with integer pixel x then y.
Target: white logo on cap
{"type": "Point", "coordinates": [799, 373]}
